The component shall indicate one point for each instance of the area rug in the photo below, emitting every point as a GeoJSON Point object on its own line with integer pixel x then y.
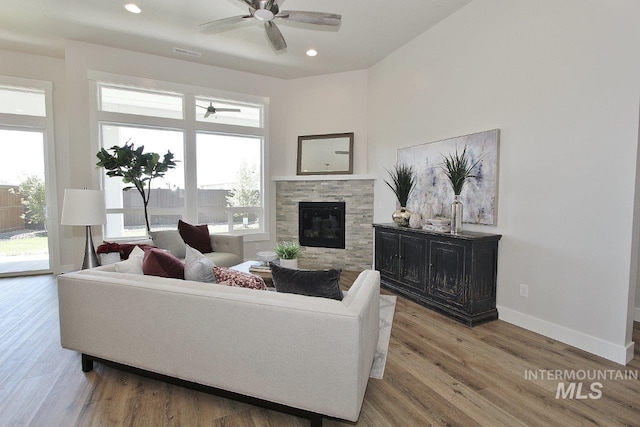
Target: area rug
{"type": "Point", "coordinates": [387, 309]}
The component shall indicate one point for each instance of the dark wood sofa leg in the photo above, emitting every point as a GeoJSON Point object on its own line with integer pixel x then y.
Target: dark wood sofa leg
{"type": "Point", "coordinates": [87, 363]}
{"type": "Point", "coordinates": [316, 420]}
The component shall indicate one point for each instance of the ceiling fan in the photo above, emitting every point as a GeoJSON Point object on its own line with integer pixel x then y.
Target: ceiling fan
{"type": "Point", "coordinates": [267, 11]}
{"type": "Point", "coordinates": [212, 110]}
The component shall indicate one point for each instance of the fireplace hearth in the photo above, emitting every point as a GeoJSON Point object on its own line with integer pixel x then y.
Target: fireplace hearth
{"type": "Point", "coordinates": [322, 224]}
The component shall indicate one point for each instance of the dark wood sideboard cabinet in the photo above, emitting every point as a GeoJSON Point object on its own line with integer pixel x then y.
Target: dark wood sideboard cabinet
{"type": "Point", "coordinates": [453, 274]}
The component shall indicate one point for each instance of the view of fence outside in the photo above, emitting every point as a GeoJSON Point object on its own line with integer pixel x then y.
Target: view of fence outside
{"type": "Point", "coordinates": [211, 204]}
{"type": "Point", "coordinates": [11, 209]}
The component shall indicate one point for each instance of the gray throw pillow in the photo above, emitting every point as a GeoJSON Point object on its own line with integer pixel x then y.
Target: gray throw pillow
{"type": "Point", "coordinates": [198, 267]}
{"type": "Point", "coordinates": [314, 283]}
{"type": "Point", "coordinates": [171, 241]}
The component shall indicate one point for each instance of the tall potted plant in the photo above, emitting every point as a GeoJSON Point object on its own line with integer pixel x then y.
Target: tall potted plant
{"type": "Point", "coordinates": [137, 168]}
{"type": "Point", "coordinates": [458, 169]}
{"type": "Point", "coordinates": [403, 181]}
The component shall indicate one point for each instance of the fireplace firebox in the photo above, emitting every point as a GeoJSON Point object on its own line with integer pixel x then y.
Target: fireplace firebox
{"type": "Point", "coordinates": [321, 224]}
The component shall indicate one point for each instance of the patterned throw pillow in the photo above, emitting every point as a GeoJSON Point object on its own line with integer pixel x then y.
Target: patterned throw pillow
{"type": "Point", "coordinates": [238, 278]}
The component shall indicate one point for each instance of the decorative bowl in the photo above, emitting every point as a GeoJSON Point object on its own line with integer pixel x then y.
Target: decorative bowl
{"type": "Point", "coordinates": [440, 221]}
{"type": "Point", "coordinates": [266, 256]}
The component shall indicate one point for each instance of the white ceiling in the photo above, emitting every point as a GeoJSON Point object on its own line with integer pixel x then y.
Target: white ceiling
{"type": "Point", "coordinates": [370, 30]}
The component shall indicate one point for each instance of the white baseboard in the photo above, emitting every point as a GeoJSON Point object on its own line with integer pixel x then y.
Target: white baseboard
{"type": "Point", "coordinates": [597, 346]}
{"type": "Point", "coordinates": [65, 269]}
{"type": "Point", "coordinates": [636, 315]}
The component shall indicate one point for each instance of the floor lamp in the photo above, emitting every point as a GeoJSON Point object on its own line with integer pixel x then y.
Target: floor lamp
{"type": "Point", "coordinates": [85, 207]}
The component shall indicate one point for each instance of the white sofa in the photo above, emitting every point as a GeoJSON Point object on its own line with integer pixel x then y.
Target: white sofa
{"type": "Point", "coordinates": [306, 353]}
{"type": "Point", "coordinates": [227, 249]}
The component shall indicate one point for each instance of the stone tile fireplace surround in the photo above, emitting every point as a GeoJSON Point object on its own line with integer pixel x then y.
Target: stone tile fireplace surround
{"type": "Point", "coordinates": [357, 193]}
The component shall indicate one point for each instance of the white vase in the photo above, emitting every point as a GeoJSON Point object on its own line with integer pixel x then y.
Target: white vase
{"type": "Point", "coordinates": [415, 221]}
{"type": "Point", "coordinates": [289, 263]}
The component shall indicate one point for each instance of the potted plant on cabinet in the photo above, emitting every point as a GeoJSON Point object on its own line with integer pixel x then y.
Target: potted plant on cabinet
{"type": "Point", "coordinates": [458, 169]}
{"type": "Point", "coordinates": [403, 181]}
{"type": "Point", "coordinates": [288, 252]}
{"type": "Point", "coordinates": [137, 168]}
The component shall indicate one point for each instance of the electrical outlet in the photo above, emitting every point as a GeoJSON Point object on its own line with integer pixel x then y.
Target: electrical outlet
{"type": "Point", "coordinates": [524, 290]}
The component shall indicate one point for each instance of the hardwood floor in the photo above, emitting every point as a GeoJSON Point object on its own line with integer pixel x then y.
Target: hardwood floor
{"type": "Point", "coordinates": [438, 372]}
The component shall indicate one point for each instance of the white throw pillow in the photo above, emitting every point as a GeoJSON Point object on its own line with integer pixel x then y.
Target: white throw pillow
{"type": "Point", "coordinates": [133, 264]}
{"type": "Point", "coordinates": [198, 267]}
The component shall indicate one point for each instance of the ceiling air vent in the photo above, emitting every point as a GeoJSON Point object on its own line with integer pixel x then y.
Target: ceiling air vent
{"type": "Point", "coordinates": [187, 52]}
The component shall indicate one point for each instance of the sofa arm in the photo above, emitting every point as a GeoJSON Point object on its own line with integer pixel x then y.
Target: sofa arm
{"type": "Point", "coordinates": [228, 243]}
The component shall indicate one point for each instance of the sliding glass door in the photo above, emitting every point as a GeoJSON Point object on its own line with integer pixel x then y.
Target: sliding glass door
{"type": "Point", "coordinates": [24, 244]}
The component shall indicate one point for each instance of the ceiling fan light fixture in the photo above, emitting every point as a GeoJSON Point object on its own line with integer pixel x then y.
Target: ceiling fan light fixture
{"type": "Point", "coordinates": [312, 52]}
{"type": "Point", "coordinates": [133, 8]}
{"type": "Point", "coordinates": [264, 15]}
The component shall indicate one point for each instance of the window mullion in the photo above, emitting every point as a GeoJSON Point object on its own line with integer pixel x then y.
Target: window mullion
{"type": "Point", "coordinates": [190, 166]}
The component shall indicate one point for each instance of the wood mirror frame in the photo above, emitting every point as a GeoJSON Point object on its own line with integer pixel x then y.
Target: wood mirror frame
{"type": "Point", "coordinates": [324, 154]}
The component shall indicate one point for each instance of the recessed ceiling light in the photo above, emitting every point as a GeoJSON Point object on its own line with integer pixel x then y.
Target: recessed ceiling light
{"type": "Point", "coordinates": [312, 52]}
{"type": "Point", "coordinates": [133, 8]}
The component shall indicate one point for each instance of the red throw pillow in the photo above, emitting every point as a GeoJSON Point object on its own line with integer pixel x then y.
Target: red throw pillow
{"type": "Point", "coordinates": [161, 263]}
{"type": "Point", "coordinates": [196, 236]}
{"type": "Point", "coordinates": [238, 278]}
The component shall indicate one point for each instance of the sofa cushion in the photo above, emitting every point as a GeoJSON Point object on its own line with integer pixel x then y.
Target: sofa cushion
{"type": "Point", "coordinates": [315, 283]}
{"type": "Point", "coordinates": [224, 259]}
{"type": "Point", "coordinates": [158, 262]}
{"type": "Point", "coordinates": [133, 264]}
{"type": "Point", "coordinates": [171, 241]}
{"type": "Point", "coordinates": [238, 278]}
{"type": "Point", "coordinates": [198, 267]}
{"type": "Point", "coordinates": [196, 236]}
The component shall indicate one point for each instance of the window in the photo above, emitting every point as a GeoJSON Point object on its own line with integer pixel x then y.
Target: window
{"type": "Point", "coordinates": [219, 178]}
{"type": "Point", "coordinates": [141, 102]}
{"type": "Point", "coordinates": [28, 224]}
{"type": "Point", "coordinates": [22, 101]}
{"type": "Point", "coordinates": [240, 114]}
{"type": "Point", "coordinates": [229, 190]}
{"type": "Point", "coordinates": [166, 203]}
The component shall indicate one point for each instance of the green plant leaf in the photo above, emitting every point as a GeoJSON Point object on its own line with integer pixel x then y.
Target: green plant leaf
{"type": "Point", "coordinates": [403, 182]}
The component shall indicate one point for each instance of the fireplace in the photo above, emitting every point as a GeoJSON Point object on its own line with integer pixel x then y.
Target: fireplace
{"type": "Point", "coordinates": [321, 224]}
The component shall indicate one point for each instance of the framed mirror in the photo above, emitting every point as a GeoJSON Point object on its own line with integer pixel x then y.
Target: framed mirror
{"type": "Point", "coordinates": [329, 154]}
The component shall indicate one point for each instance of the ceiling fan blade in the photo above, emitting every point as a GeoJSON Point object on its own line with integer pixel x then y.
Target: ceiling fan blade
{"type": "Point", "coordinates": [317, 18]}
{"type": "Point", "coordinates": [222, 24]}
{"type": "Point", "coordinates": [228, 110]}
{"type": "Point", "coordinates": [247, 3]}
{"type": "Point", "coordinates": [207, 114]}
{"type": "Point", "coordinates": [275, 36]}
{"type": "Point", "coordinates": [201, 106]}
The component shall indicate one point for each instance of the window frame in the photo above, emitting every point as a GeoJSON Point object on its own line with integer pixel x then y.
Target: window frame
{"type": "Point", "coordinates": [190, 126]}
{"type": "Point", "coordinates": [44, 124]}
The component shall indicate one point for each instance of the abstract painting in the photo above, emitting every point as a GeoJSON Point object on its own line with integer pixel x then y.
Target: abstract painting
{"type": "Point", "coordinates": [433, 192]}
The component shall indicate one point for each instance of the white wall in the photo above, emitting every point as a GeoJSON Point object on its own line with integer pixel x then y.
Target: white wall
{"type": "Point", "coordinates": [333, 103]}
{"type": "Point", "coordinates": [562, 82]}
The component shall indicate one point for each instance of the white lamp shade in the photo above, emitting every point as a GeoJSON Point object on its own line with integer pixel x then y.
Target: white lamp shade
{"type": "Point", "coordinates": [83, 207]}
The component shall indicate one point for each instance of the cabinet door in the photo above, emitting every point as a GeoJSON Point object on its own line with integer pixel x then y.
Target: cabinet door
{"type": "Point", "coordinates": [387, 259]}
{"type": "Point", "coordinates": [447, 273]}
{"type": "Point", "coordinates": [412, 262]}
